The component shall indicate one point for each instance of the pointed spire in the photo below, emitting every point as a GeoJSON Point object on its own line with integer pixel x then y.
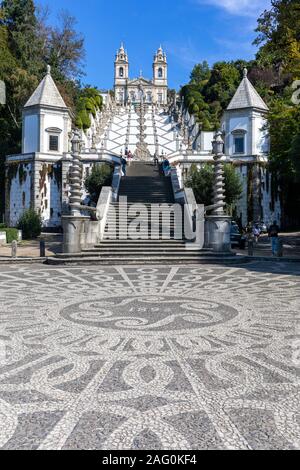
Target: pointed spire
{"type": "Point", "coordinates": [46, 94]}
{"type": "Point", "coordinates": [246, 96]}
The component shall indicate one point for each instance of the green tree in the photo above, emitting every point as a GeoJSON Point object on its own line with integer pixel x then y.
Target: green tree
{"type": "Point", "coordinates": [27, 44]}
{"type": "Point", "coordinates": [279, 38]}
{"type": "Point", "coordinates": [31, 225]}
{"type": "Point", "coordinates": [202, 183]}
{"type": "Point", "coordinates": [101, 176]}
{"type": "Point", "coordinates": [278, 34]}
{"type": "Point", "coordinates": [200, 74]}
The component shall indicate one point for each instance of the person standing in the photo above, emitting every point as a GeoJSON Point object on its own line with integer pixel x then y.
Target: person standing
{"type": "Point", "coordinates": [273, 235]}
{"type": "Point", "coordinates": [129, 157]}
{"type": "Point", "coordinates": [256, 233]}
{"type": "Point", "coordinates": [124, 165]}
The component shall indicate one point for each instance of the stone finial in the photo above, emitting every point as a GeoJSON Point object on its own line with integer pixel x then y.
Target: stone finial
{"type": "Point", "coordinates": [48, 69]}
{"type": "Point", "coordinates": [245, 72]}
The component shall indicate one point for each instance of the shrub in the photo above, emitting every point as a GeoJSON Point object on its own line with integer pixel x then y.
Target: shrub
{"type": "Point", "coordinates": [11, 233]}
{"type": "Point", "coordinates": [101, 176]}
{"type": "Point", "coordinates": [30, 223]}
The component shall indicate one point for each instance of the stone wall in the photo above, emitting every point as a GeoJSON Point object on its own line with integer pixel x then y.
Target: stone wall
{"type": "Point", "coordinates": [34, 185]}
{"type": "Point", "coordinates": [18, 191]}
{"type": "Point", "coordinates": [48, 196]}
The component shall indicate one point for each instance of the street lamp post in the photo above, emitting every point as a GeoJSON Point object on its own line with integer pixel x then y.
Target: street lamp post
{"type": "Point", "coordinates": [218, 224]}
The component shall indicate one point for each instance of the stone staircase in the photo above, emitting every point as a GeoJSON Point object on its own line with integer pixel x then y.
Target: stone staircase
{"type": "Point", "coordinates": [146, 242]}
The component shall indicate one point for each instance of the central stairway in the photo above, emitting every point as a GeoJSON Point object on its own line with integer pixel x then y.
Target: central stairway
{"type": "Point", "coordinates": [144, 241]}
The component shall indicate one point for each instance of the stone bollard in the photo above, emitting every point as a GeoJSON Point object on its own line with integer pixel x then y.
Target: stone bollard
{"type": "Point", "coordinates": [250, 247]}
{"type": "Point", "coordinates": [14, 248]}
{"type": "Point", "coordinates": [42, 249]}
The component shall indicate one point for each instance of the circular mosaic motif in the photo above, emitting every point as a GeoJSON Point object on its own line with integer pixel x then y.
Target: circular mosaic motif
{"type": "Point", "coordinates": [147, 314]}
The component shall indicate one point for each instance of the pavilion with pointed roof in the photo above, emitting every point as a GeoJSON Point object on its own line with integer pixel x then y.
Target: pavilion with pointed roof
{"type": "Point", "coordinates": [244, 123]}
{"type": "Point", "coordinates": [46, 120]}
{"type": "Point", "coordinates": [247, 97]}
{"type": "Point", "coordinates": [46, 94]}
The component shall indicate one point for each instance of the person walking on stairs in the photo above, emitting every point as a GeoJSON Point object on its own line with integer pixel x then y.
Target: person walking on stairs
{"type": "Point", "coordinates": [124, 165]}
{"type": "Point", "coordinates": [166, 167]}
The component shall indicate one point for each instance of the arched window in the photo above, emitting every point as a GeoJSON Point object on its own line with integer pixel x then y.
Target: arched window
{"type": "Point", "coordinates": [121, 72]}
{"type": "Point", "coordinates": [160, 72]}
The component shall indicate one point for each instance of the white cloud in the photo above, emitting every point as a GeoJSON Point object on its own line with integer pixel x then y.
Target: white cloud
{"type": "Point", "coordinates": [239, 7]}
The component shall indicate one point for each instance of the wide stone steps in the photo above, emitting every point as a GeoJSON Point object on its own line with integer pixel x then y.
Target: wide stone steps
{"type": "Point", "coordinates": [118, 260]}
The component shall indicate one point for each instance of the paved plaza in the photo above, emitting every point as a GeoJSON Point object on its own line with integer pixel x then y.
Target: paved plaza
{"type": "Point", "coordinates": [185, 357]}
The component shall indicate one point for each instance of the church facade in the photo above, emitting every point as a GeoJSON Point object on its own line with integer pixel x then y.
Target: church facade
{"type": "Point", "coordinates": [133, 91]}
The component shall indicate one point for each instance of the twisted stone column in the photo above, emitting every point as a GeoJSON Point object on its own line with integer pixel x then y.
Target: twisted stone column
{"type": "Point", "coordinates": [218, 225]}
{"type": "Point", "coordinates": [219, 186]}
{"type": "Point", "coordinates": [75, 176]}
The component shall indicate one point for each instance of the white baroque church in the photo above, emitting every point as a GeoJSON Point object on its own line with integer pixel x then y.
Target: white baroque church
{"type": "Point", "coordinates": [139, 116]}
{"type": "Point", "coordinates": [134, 91]}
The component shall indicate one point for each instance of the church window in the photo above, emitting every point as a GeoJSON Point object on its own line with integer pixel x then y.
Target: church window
{"type": "Point", "coordinates": [160, 73]}
{"type": "Point", "coordinates": [53, 143]}
{"type": "Point", "coordinates": [160, 97]}
{"type": "Point", "coordinates": [239, 144]}
{"type": "Point", "coordinates": [121, 72]}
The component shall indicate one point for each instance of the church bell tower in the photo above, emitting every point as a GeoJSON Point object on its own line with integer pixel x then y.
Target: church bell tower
{"type": "Point", "coordinates": [121, 75]}
{"type": "Point", "coordinates": [160, 76]}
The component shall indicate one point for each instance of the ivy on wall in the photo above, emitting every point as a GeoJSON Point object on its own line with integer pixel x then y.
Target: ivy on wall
{"type": "Point", "coordinates": [89, 102]}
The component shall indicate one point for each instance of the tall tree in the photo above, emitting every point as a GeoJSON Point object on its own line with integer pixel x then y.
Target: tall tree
{"type": "Point", "coordinates": [66, 49]}
{"type": "Point", "coordinates": [279, 36]}
{"type": "Point", "coordinates": [200, 74]}
{"type": "Point", "coordinates": [27, 44]}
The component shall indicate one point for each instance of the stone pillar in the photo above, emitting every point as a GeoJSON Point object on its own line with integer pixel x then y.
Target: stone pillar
{"type": "Point", "coordinates": [217, 233]}
{"type": "Point", "coordinates": [218, 225]}
{"type": "Point", "coordinates": [73, 227]}
{"type": "Point", "coordinates": [73, 224]}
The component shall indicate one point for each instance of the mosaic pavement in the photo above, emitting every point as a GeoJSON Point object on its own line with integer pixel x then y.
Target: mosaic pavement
{"type": "Point", "coordinates": [149, 358]}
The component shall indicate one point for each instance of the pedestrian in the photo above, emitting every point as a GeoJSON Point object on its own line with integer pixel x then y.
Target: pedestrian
{"type": "Point", "coordinates": [129, 157]}
{"type": "Point", "coordinates": [166, 167]}
{"type": "Point", "coordinates": [256, 233]}
{"type": "Point", "coordinates": [126, 151]}
{"type": "Point", "coordinates": [273, 235]}
{"type": "Point", "coordinates": [124, 165]}
{"type": "Point", "coordinates": [155, 159]}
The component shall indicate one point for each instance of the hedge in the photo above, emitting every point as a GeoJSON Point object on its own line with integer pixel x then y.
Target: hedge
{"type": "Point", "coordinates": [11, 233]}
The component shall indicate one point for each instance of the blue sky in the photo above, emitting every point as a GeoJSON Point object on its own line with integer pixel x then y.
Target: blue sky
{"type": "Point", "coordinates": [190, 30]}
